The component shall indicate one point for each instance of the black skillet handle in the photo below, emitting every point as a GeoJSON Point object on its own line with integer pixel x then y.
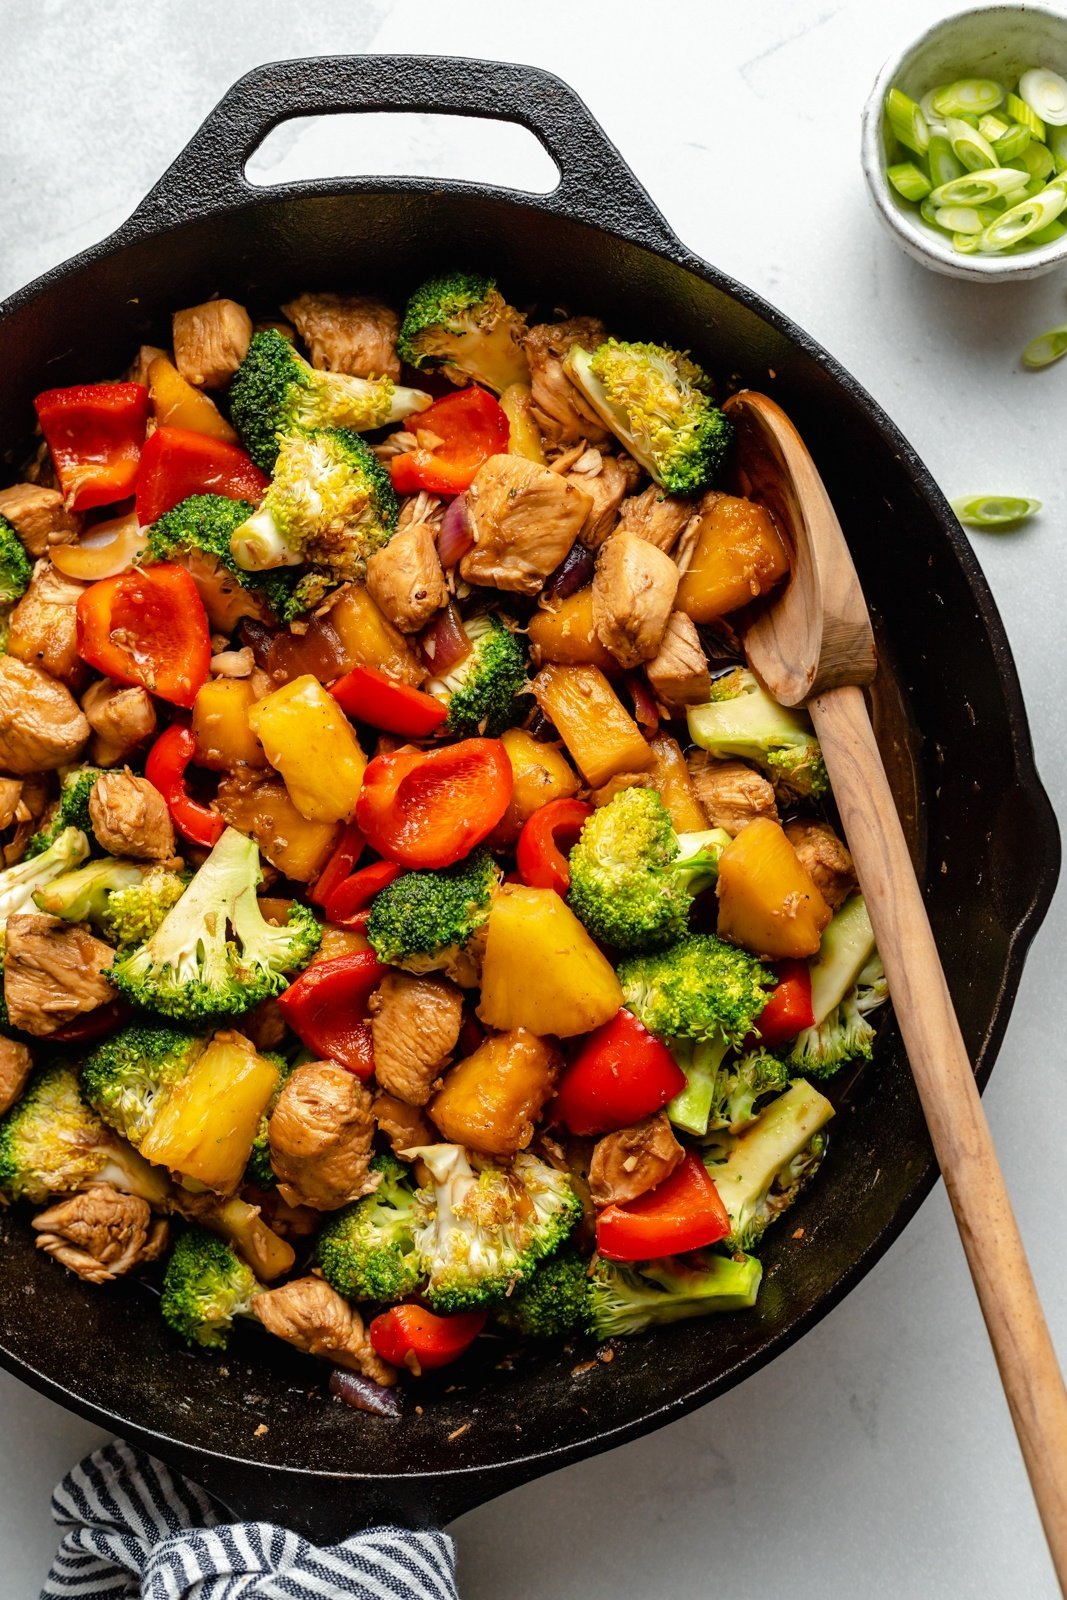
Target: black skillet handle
{"type": "Point", "coordinates": [596, 185]}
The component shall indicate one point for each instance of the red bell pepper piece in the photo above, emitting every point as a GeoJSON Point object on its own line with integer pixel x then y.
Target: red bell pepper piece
{"type": "Point", "coordinates": [94, 432]}
{"type": "Point", "coordinates": [106, 1019]}
{"type": "Point", "coordinates": [541, 862]}
{"type": "Point", "coordinates": [621, 1074]}
{"type": "Point", "coordinates": [470, 426]}
{"type": "Point", "coordinates": [149, 627]}
{"type": "Point", "coordinates": [372, 696]}
{"type": "Point", "coordinates": [412, 1337]}
{"type": "Point", "coordinates": [176, 462]}
{"type": "Point", "coordinates": [165, 770]}
{"type": "Point", "coordinates": [788, 1011]}
{"type": "Point", "coordinates": [350, 899]}
{"type": "Point", "coordinates": [346, 853]}
{"type": "Point", "coordinates": [684, 1212]}
{"type": "Point", "coordinates": [326, 1007]}
{"type": "Point", "coordinates": [430, 808]}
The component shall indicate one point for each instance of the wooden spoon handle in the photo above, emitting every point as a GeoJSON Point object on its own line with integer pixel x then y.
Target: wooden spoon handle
{"type": "Point", "coordinates": [958, 1128]}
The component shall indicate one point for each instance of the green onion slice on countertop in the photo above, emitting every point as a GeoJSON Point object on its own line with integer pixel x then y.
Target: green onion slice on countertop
{"type": "Point", "coordinates": [994, 510]}
{"type": "Point", "coordinates": [1046, 348]}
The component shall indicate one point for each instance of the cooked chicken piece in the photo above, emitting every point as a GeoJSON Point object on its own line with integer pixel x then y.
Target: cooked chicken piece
{"type": "Point", "coordinates": [38, 516]}
{"type": "Point", "coordinates": [130, 817]}
{"type": "Point", "coordinates": [404, 1126]}
{"type": "Point", "coordinates": [560, 410]}
{"type": "Point", "coordinates": [16, 1064]}
{"type": "Point", "coordinates": [415, 1022]}
{"type": "Point", "coordinates": [731, 793]}
{"type": "Point", "coordinates": [54, 971]}
{"type": "Point", "coordinates": [310, 1315]}
{"type": "Point", "coordinates": [524, 519]}
{"type": "Point", "coordinates": [633, 592]}
{"type": "Point", "coordinates": [137, 371]}
{"type": "Point", "coordinates": [35, 797]}
{"type": "Point", "coordinates": [348, 333]}
{"type": "Point", "coordinates": [121, 717]}
{"type": "Point", "coordinates": [656, 516]}
{"type": "Point", "coordinates": [101, 1234]}
{"type": "Point", "coordinates": [211, 341]}
{"type": "Point", "coordinates": [826, 858]}
{"type": "Point", "coordinates": [678, 672]}
{"type": "Point", "coordinates": [288, 1222]}
{"type": "Point", "coordinates": [10, 796]}
{"type": "Point", "coordinates": [422, 507]}
{"type": "Point", "coordinates": [225, 601]}
{"type": "Point", "coordinates": [44, 625]}
{"type": "Point", "coordinates": [607, 480]}
{"type": "Point", "coordinates": [617, 783]}
{"type": "Point", "coordinates": [41, 725]}
{"type": "Point", "coordinates": [628, 1163]}
{"type": "Point", "coordinates": [320, 1138]}
{"type": "Point", "coordinates": [406, 580]}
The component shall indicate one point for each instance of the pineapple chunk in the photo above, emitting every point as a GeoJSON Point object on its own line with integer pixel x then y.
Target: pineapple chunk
{"type": "Point", "coordinates": [767, 901]}
{"type": "Point", "coordinates": [492, 1101]}
{"type": "Point", "coordinates": [541, 772]}
{"type": "Point", "coordinates": [224, 740]}
{"type": "Point", "coordinates": [596, 727]}
{"type": "Point", "coordinates": [204, 1131]}
{"type": "Point", "coordinates": [670, 775]}
{"type": "Point", "coordinates": [542, 971]}
{"type": "Point", "coordinates": [311, 742]}
{"type": "Point", "coordinates": [564, 632]}
{"type": "Point", "coordinates": [738, 554]}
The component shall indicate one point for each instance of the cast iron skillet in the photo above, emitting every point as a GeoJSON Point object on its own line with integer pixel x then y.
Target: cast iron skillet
{"type": "Point", "coordinates": [598, 244]}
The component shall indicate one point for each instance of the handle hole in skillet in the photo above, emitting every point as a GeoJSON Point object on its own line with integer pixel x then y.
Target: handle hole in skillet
{"type": "Point", "coordinates": [403, 144]}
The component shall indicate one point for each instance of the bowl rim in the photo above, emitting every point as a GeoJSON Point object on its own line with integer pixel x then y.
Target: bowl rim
{"type": "Point", "coordinates": [919, 242]}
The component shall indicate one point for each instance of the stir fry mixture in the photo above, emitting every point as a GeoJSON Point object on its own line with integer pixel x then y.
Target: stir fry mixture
{"type": "Point", "coordinates": [416, 919]}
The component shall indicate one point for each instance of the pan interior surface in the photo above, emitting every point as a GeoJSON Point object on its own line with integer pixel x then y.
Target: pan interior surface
{"type": "Point", "coordinates": [991, 856]}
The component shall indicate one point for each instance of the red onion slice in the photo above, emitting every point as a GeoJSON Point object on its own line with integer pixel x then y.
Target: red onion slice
{"type": "Point", "coordinates": [646, 712]}
{"type": "Point", "coordinates": [445, 643]}
{"type": "Point", "coordinates": [363, 1394]}
{"type": "Point", "coordinates": [574, 572]}
{"type": "Point", "coordinates": [454, 536]}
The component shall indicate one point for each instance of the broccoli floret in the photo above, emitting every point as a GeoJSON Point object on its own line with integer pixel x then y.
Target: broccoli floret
{"type": "Point", "coordinates": [553, 1302]}
{"type": "Point", "coordinates": [51, 1142]}
{"type": "Point", "coordinates": [742, 720]}
{"type": "Point", "coordinates": [205, 524]}
{"type": "Point", "coordinates": [330, 503]}
{"type": "Point", "coordinates": [656, 402]}
{"type": "Point", "coordinates": [205, 1286]}
{"type": "Point", "coordinates": [624, 1301]}
{"type": "Point", "coordinates": [481, 690]}
{"type": "Point", "coordinates": [722, 1093]}
{"type": "Point", "coordinates": [633, 878]}
{"type": "Point", "coordinates": [275, 392]}
{"type": "Point", "coordinates": [367, 1250]}
{"type": "Point", "coordinates": [20, 883]}
{"type": "Point", "coordinates": [766, 1166]}
{"type": "Point", "coordinates": [191, 970]}
{"type": "Point", "coordinates": [425, 921]}
{"type": "Point", "coordinates": [71, 811]}
{"type": "Point", "coordinates": [129, 1077]}
{"type": "Point", "coordinates": [462, 324]}
{"type": "Point", "coordinates": [483, 1229]}
{"type": "Point", "coordinates": [16, 567]}
{"type": "Point", "coordinates": [260, 1170]}
{"type": "Point", "coordinates": [83, 895]}
{"type": "Point", "coordinates": [133, 912]}
{"type": "Point", "coordinates": [844, 1034]}
{"type": "Point", "coordinates": [701, 988]}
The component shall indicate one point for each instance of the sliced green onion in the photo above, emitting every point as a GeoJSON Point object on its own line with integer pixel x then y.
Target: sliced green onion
{"type": "Point", "coordinates": [928, 211]}
{"type": "Point", "coordinates": [994, 510]}
{"type": "Point", "coordinates": [1037, 159]}
{"type": "Point", "coordinates": [967, 97]}
{"type": "Point", "coordinates": [959, 219]}
{"type": "Point", "coordinates": [943, 164]}
{"type": "Point", "coordinates": [1057, 144]}
{"type": "Point", "coordinates": [1050, 235]}
{"type": "Point", "coordinates": [908, 181]}
{"type": "Point", "coordinates": [976, 188]}
{"type": "Point", "coordinates": [965, 243]}
{"type": "Point", "coordinates": [1019, 111]}
{"type": "Point", "coordinates": [1012, 143]}
{"type": "Point", "coordinates": [968, 146]}
{"type": "Point", "coordinates": [1045, 92]}
{"type": "Point", "coordinates": [907, 121]}
{"type": "Point", "coordinates": [1046, 348]}
{"type": "Point", "coordinates": [992, 128]}
{"type": "Point", "coordinates": [1025, 219]}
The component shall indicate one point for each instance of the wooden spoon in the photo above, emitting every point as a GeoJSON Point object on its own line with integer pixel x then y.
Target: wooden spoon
{"type": "Point", "coordinates": [814, 644]}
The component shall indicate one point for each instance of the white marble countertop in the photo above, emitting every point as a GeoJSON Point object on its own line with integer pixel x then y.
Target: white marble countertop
{"type": "Point", "coordinates": [876, 1457]}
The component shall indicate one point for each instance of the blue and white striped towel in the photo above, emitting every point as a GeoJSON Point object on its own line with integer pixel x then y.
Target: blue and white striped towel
{"type": "Point", "coordinates": [133, 1528]}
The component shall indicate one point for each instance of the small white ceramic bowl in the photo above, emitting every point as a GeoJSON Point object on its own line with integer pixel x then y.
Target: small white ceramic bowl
{"type": "Point", "coordinates": [990, 42]}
